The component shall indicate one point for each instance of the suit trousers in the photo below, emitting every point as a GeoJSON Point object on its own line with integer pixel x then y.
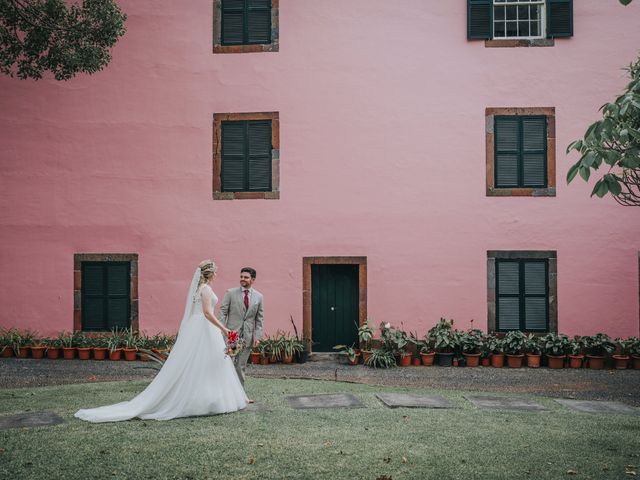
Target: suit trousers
{"type": "Point", "coordinates": [240, 362]}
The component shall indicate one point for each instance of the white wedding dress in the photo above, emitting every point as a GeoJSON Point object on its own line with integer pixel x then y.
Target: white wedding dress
{"type": "Point", "coordinates": [198, 378]}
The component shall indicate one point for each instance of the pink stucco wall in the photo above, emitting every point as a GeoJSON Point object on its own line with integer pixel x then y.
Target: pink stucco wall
{"type": "Point", "coordinates": [382, 155]}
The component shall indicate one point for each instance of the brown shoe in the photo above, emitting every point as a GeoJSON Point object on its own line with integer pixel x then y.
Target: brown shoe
{"type": "Point", "coordinates": [250, 401]}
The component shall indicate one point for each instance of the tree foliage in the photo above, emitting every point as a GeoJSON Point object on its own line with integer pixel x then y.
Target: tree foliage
{"type": "Point", "coordinates": [614, 141]}
{"type": "Point", "coordinates": [51, 35]}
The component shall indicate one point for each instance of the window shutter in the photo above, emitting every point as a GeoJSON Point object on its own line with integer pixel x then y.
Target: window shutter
{"type": "Point", "coordinates": [479, 19]}
{"type": "Point", "coordinates": [259, 155]}
{"type": "Point", "coordinates": [534, 151]}
{"type": "Point", "coordinates": [559, 18]}
{"type": "Point", "coordinates": [507, 151]}
{"type": "Point", "coordinates": [233, 156]}
{"type": "Point", "coordinates": [118, 295]}
{"type": "Point", "coordinates": [508, 295]}
{"type": "Point", "coordinates": [535, 296]}
{"type": "Point", "coordinates": [259, 21]}
{"type": "Point", "coordinates": [233, 22]}
{"type": "Point", "coordinates": [93, 301]}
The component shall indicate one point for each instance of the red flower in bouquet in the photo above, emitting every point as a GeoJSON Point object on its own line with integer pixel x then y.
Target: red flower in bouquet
{"type": "Point", "coordinates": [234, 344]}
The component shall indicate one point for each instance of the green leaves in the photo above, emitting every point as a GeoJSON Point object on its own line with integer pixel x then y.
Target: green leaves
{"type": "Point", "coordinates": [614, 140]}
{"type": "Point", "coordinates": [49, 35]}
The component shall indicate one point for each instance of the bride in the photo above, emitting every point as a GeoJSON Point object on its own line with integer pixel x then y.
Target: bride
{"type": "Point", "coordinates": [197, 378]}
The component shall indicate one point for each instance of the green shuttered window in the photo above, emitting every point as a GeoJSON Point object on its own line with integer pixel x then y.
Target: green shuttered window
{"type": "Point", "coordinates": [522, 295]}
{"type": "Point", "coordinates": [520, 151]}
{"type": "Point", "coordinates": [519, 19]}
{"type": "Point", "coordinates": [246, 156]}
{"type": "Point", "coordinates": [106, 295]}
{"type": "Point", "coordinates": [246, 22]}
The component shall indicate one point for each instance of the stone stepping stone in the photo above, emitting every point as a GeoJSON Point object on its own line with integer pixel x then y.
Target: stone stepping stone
{"type": "Point", "coordinates": [591, 406]}
{"type": "Point", "coordinates": [504, 403]}
{"type": "Point", "coordinates": [327, 400]}
{"type": "Point", "coordinates": [255, 407]}
{"type": "Point", "coordinates": [409, 400]}
{"type": "Point", "coordinates": [23, 420]}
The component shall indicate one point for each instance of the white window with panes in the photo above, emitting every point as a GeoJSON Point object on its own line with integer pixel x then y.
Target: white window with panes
{"type": "Point", "coordinates": [519, 19]}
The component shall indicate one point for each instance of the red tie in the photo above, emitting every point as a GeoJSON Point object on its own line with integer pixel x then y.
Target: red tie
{"type": "Point", "coordinates": [246, 299]}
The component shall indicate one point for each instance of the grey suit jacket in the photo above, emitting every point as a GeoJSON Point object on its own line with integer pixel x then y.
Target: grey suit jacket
{"type": "Point", "coordinates": [236, 317]}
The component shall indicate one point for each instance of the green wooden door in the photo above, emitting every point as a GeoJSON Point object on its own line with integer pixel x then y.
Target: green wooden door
{"type": "Point", "coordinates": [334, 310]}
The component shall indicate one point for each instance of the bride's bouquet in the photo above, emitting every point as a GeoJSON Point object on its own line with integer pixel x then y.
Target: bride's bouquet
{"type": "Point", "coordinates": [234, 344]}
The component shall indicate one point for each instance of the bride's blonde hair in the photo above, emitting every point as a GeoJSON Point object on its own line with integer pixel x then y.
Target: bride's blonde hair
{"type": "Point", "coordinates": [207, 269]}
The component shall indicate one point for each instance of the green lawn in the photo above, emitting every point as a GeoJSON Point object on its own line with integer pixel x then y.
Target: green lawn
{"type": "Point", "coordinates": [314, 444]}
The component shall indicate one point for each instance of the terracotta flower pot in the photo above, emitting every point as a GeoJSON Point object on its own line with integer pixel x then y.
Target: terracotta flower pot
{"type": "Point", "coordinates": [365, 355]}
{"type": "Point", "coordinates": [427, 358]}
{"type": "Point", "coordinates": [404, 360]}
{"type": "Point", "coordinates": [130, 354]}
{"type": "Point", "coordinates": [486, 362]}
{"type": "Point", "coordinates": [7, 352]}
{"type": "Point", "coordinates": [555, 361]}
{"type": "Point", "coordinates": [84, 353]}
{"type": "Point", "coordinates": [497, 360]}
{"type": "Point", "coordinates": [100, 353]}
{"type": "Point", "coordinates": [575, 361]}
{"type": "Point", "coordinates": [264, 360]}
{"type": "Point", "coordinates": [23, 352]}
{"type": "Point", "coordinates": [255, 358]}
{"type": "Point", "coordinates": [143, 357]}
{"type": "Point", "coordinates": [37, 352]}
{"type": "Point", "coordinates": [115, 355]}
{"type": "Point", "coordinates": [53, 353]}
{"type": "Point", "coordinates": [272, 359]}
{"type": "Point", "coordinates": [596, 362]}
{"type": "Point", "coordinates": [162, 354]}
{"type": "Point", "coordinates": [416, 361]}
{"type": "Point", "coordinates": [621, 361]}
{"type": "Point", "coordinates": [473, 359]}
{"type": "Point", "coordinates": [636, 361]}
{"type": "Point", "coordinates": [355, 360]}
{"type": "Point", "coordinates": [515, 361]}
{"type": "Point", "coordinates": [68, 353]}
{"type": "Point", "coordinates": [533, 360]}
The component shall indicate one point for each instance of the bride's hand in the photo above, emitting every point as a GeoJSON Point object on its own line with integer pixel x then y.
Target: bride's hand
{"type": "Point", "coordinates": [226, 331]}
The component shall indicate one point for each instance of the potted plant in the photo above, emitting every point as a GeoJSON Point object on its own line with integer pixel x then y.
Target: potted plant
{"type": "Point", "coordinates": [290, 347]}
{"type": "Point", "coordinates": [100, 346]}
{"type": "Point", "coordinates": [350, 352]}
{"type": "Point", "coordinates": [621, 357]}
{"type": "Point", "coordinates": [495, 349]}
{"type": "Point", "coordinates": [634, 350]}
{"type": "Point", "coordinates": [265, 350]}
{"type": "Point", "coordinates": [423, 348]}
{"type": "Point", "coordinates": [22, 340]}
{"type": "Point", "coordinates": [255, 355]}
{"type": "Point", "coordinates": [143, 347]}
{"type": "Point", "coordinates": [576, 351]}
{"type": "Point", "coordinates": [471, 342]}
{"type": "Point", "coordinates": [161, 345]}
{"type": "Point", "coordinates": [52, 347]}
{"type": "Point", "coordinates": [302, 352]}
{"type": "Point", "coordinates": [83, 345]}
{"type": "Point", "coordinates": [6, 342]}
{"type": "Point", "coordinates": [381, 358]}
{"type": "Point", "coordinates": [38, 348]}
{"type": "Point", "coordinates": [534, 350]}
{"type": "Point", "coordinates": [114, 344]}
{"type": "Point", "coordinates": [67, 342]}
{"type": "Point", "coordinates": [395, 340]}
{"type": "Point", "coordinates": [597, 348]}
{"type": "Point", "coordinates": [514, 343]}
{"type": "Point", "coordinates": [444, 341]}
{"type": "Point", "coordinates": [555, 348]}
{"type": "Point", "coordinates": [130, 344]}
{"type": "Point", "coordinates": [365, 336]}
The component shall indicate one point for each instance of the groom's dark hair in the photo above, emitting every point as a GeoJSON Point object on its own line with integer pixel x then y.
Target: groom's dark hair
{"type": "Point", "coordinates": [250, 271]}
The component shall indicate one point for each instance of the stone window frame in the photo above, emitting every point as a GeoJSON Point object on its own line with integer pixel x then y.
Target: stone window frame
{"type": "Point", "coordinates": [550, 255]}
{"type": "Point", "coordinates": [218, 118]}
{"type": "Point", "coordinates": [492, 190]}
{"type": "Point", "coordinates": [307, 262]}
{"type": "Point", "coordinates": [274, 46]}
{"type": "Point", "coordinates": [78, 258]}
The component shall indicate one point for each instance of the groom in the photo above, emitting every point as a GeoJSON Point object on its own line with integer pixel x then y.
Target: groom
{"type": "Point", "coordinates": [242, 310]}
